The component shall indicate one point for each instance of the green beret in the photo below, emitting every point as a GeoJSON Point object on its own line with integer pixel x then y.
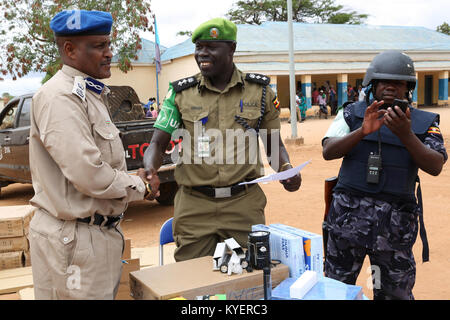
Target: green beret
{"type": "Point", "coordinates": [217, 29]}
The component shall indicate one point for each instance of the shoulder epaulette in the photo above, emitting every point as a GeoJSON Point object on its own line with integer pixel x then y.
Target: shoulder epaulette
{"type": "Point", "coordinates": [257, 78]}
{"type": "Point", "coordinates": [344, 105]}
{"type": "Point", "coordinates": [185, 83]}
{"type": "Point", "coordinates": [347, 103]}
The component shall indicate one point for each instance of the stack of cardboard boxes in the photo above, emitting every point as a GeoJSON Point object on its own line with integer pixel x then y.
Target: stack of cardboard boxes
{"type": "Point", "coordinates": [14, 246]}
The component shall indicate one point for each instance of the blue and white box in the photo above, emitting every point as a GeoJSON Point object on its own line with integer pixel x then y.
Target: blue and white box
{"type": "Point", "coordinates": [324, 289]}
{"type": "Point", "coordinates": [286, 247]}
{"type": "Point", "coordinates": [312, 245]}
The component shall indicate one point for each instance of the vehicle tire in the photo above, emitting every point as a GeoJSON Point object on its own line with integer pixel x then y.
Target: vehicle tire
{"type": "Point", "coordinates": [167, 193]}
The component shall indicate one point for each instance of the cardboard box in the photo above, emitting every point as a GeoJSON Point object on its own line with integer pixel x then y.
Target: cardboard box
{"type": "Point", "coordinates": [312, 244]}
{"type": "Point", "coordinates": [14, 220]}
{"type": "Point", "coordinates": [27, 257]}
{"type": "Point", "coordinates": [192, 278]}
{"type": "Point", "coordinates": [10, 260]}
{"type": "Point", "coordinates": [149, 256]}
{"type": "Point", "coordinates": [14, 244]}
{"type": "Point", "coordinates": [287, 248]}
{"type": "Point", "coordinates": [123, 292]}
{"type": "Point", "coordinates": [11, 296]}
{"type": "Point", "coordinates": [13, 280]}
{"type": "Point", "coordinates": [127, 250]}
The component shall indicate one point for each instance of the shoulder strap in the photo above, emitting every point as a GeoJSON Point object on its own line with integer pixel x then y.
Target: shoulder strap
{"type": "Point", "coordinates": [422, 231]}
{"type": "Point", "coordinates": [184, 84]}
{"type": "Point", "coordinates": [244, 123]}
{"type": "Point", "coordinates": [257, 78]}
{"type": "Point", "coordinates": [344, 105]}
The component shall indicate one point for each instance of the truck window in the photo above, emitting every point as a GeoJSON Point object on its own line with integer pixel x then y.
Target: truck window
{"type": "Point", "coordinates": [8, 116]}
{"type": "Point", "coordinates": [24, 119]}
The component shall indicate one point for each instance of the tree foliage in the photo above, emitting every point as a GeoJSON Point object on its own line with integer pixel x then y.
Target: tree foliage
{"type": "Point", "coordinates": [310, 11]}
{"type": "Point", "coordinates": [444, 28]}
{"type": "Point", "coordinates": [27, 42]}
{"type": "Point", "coordinates": [7, 96]}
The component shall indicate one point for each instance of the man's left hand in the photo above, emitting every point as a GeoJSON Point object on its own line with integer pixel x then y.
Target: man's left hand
{"type": "Point", "coordinates": [398, 122]}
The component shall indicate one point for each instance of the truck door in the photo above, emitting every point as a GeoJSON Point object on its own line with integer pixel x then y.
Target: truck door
{"type": "Point", "coordinates": [20, 139]}
{"type": "Point", "coordinates": [7, 123]}
{"type": "Point", "coordinates": [15, 141]}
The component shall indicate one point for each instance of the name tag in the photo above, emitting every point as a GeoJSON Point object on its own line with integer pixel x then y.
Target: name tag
{"type": "Point", "coordinates": [203, 146]}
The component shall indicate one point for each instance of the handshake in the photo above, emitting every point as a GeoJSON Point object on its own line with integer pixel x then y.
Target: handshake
{"type": "Point", "coordinates": [151, 181]}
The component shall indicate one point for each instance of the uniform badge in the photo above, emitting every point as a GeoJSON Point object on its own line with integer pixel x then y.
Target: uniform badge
{"type": "Point", "coordinates": [79, 88]}
{"type": "Point", "coordinates": [214, 33]}
{"type": "Point", "coordinates": [434, 130]}
{"type": "Point", "coordinates": [276, 103]}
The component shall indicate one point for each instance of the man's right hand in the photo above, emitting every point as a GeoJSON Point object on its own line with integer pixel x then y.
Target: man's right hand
{"type": "Point", "coordinates": [373, 118]}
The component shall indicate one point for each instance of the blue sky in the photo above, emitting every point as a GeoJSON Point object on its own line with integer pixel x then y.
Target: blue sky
{"type": "Point", "coordinates": [189, 14]}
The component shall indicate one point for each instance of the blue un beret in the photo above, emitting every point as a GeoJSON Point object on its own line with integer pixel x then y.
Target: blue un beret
{"type": "Point", "coordinates": [81, 22]}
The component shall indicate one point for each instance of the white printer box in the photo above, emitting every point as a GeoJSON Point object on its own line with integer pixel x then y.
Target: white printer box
{"type": "Point", "coordinates": [312, 245]}
{"type": "Point", "coordinates": [286, 247]}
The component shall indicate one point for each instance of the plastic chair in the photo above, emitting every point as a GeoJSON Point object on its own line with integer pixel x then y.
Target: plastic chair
{"type": "Point", "coordinates": [165, 236]}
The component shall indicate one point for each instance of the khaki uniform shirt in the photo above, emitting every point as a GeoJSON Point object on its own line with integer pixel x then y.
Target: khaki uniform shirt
{"type": "Point", "coordinates": [77, 158]}
{"type": "Point", "coordinates": [229, 163]}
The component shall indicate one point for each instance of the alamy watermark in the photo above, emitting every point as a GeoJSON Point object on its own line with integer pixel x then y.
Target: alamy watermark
{"type": "Point", "coordinates": [374, 281]}
{"type": "Point", "coordinates": [74, 280]}
{"type": "Point", "coordinates": [236, 146]}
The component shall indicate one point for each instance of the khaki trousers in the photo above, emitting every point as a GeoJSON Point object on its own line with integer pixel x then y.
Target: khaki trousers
{"type": "Point", "coordinates": [200, 222]}
{"type": "Point", "coordinates": [73, 260]}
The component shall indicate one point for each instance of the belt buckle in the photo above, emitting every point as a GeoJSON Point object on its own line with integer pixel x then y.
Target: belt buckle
{"type": "Point", "coordinates": [222, 192]}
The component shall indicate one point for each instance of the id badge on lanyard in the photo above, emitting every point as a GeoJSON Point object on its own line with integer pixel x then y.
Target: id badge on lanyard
{"type": "Point", "coordinates": [204, 141]}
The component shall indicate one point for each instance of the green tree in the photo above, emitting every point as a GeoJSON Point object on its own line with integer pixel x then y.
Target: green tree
{"type": "Point", "coordinates": [6, 95]}
{"type": "Point", "coordinates": [320, 11]}
{"type": "Point", "coordinates": [27, 42]}
{"type": "Point", "coordinates": [444, 28]}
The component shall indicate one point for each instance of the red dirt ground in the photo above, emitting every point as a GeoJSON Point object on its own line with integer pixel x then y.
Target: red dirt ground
{"type": "Point", "coordinates": [304, 209]}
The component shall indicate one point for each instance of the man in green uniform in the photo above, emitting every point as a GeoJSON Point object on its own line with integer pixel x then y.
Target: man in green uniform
{"type": "Point", "coordinates": [213, 109]}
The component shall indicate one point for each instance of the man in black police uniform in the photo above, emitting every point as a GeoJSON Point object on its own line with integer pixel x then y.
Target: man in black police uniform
{"type": "Point", "coordinates": [374, 210]}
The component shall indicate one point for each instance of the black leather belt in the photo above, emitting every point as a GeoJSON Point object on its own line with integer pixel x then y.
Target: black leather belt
{"type": "Point", "coordinates": [100, 220]}
{"type": "Point", "coordinates": [224, 192]}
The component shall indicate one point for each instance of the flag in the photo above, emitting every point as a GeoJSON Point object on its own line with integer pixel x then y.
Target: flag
{"type": "Point", "coordinates": [157, 51]}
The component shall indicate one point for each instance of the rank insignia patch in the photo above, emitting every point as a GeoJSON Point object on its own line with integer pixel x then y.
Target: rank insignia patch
{"type": "Point", "coordinates": [276, 103]}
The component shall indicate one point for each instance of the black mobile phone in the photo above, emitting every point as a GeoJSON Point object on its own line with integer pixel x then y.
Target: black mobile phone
{"type": "Point", "coordinates": [402, 104]}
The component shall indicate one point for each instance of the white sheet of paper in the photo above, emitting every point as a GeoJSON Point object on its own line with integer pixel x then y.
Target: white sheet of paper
{"type": "Point", "coordinates": [280, 175]}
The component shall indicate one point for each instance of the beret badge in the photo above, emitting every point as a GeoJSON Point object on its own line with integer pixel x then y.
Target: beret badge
{"type": "Point", "coordinates": [214, 33]}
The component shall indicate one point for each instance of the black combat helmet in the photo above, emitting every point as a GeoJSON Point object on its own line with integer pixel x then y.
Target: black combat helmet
{"type": "Point", "coordinates": [391, 65]}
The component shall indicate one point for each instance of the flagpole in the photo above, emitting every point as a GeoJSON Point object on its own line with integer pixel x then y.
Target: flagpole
{"type": "Point", "coordinates": [156, 67]}
{"type": "Point", "coordinates": [157, 91]}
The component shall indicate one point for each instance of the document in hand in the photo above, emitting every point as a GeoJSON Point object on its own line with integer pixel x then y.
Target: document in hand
{"type": "Point", "coordinates": [280, 175]}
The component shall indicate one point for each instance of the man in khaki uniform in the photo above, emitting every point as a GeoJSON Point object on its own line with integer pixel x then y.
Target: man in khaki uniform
{"type": "Point", "coordinates": [217, 109]}
{"type": "Point", "coordinates": [78, 168]}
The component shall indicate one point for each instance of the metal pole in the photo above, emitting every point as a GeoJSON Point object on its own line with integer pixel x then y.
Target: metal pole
{"type": "Point", "coordinates": [156, 68]}
{"type": "Point", "coordinates": [292, 72]}
{"type": "Point", "coordinates": [157, 92]}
